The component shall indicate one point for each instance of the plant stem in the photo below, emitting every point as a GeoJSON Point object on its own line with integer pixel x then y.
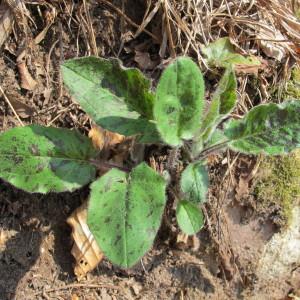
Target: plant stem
{"type": "Point", "coordinates": [186, 151]}
{"type": "Point", "coordinates": [107, 166]}
{"type": "Point", "coordinates": [210, 150]}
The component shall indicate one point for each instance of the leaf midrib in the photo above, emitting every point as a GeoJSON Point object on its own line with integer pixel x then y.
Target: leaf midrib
{"type": "Point", "coordinates": [195, 173]}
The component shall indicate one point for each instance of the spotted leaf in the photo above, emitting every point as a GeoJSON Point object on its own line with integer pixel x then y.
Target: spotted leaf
{"type": "Point", "coordinates": [44, 159]}
{"type": "Point", "coordinates": [118, 99]}
{"type": "Point", "coordinates": [223, 102]}
{"type": "Point", "coordinates": [221, 53]}
{"type": "Point", "coordinates": [125, 211]}
{"type": "Point", "coordinates": [268, 128]}
{"type": "Point", "coordinates": [179, 101]}
{"type": "Point", "coordinates": [194, 182]}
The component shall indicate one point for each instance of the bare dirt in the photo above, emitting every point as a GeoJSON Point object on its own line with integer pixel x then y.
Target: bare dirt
{"type": "Point", "coordinates": [35, 242]}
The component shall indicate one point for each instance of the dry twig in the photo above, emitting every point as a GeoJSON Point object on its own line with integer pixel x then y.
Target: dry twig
{"type": "Point", "coordinates": [10, 105]}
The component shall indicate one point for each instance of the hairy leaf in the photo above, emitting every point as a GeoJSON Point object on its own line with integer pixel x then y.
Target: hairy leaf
{"type": "Point", "coordinates": [44, 159]}
{"type": "Point", "coordinates": [217, 137]}
{"type": "Point", "coordinates": [268, 128]}
{"type": "Point", "coordinates": [221, 53]}
{"type": "Point", "coordinates": [179, 101]}
{"type": "Point", "coordinates": [146, 130]}
{"type": "Point", "coordinates": [194, 182]}
{"type": "Point", "coordinates": [118, 99]}
{"type": "Point", "coordinates": [189, 217]}
{"type": "Point", "coordinates": [223, 102]}
{"type": "Point", "coordinates": [125, 211]}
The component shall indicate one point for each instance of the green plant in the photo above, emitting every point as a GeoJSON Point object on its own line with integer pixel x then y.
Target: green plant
{"type": "Point", "coordinates": [125, 208]}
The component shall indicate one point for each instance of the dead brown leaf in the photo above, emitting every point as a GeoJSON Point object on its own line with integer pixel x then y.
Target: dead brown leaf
{"type": "Point", "coordinates": [6, 22]}
{"type": "Point", "coordinates": [247, 69]}
{"type": "Point", "coordinates": [144, 61]}
{"type": "Point", "coordinates": [47, 94]}
{"type": "Point", "coordinates": [3, 238]}
{"type": "Point", "coordinates": [85, 249]}
{"type": "Point", "coordinates": [267, 38]}
{"type": "Point", "coordinates": [27, 82]}
{"type": "Point", "coordinates": [103, 139]}
{"type": "Point", "coordinates": [22, 109]}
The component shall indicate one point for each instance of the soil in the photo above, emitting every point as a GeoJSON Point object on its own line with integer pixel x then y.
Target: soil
{"type": "Point", "coordinates": [35, 241]}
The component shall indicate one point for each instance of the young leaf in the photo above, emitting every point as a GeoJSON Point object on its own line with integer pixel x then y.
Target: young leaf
{"type": "Point", "coordinates": [221, 53]}
{"type": "Point", "coordinates": [117, 99]}
{"type": "Point", "coordinates": [179, 101]}
{"type": "Point", "coordinates": [194, 182]}
{"type": "Point", "coordinates": [125, 211]}
{"type": "Point", "coordinates": [223, 102]}
{"type": "Point", "coordinates": [189, 217]}
{"type": "Point", "coordinates": [44, 159]}
{"type": "Point", "coordinates": [267, 128]}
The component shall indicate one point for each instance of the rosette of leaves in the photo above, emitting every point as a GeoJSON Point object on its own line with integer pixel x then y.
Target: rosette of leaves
{"type": "Point", "coordinates": [125, 208]}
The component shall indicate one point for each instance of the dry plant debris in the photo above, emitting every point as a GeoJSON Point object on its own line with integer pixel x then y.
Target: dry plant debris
{"type": "Point", "coordinates": [85, 250]}
{"type": "Point", "coordinates": [6, 22]}
{"type": "Point", "coordinates": [261, 28]}
{"type": "Point", "coordinates": [104, 139]}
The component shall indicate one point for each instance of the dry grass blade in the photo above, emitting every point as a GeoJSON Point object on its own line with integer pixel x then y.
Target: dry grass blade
{"type": "Point", "coordinates": [168, 28]}
{"type": "Point", "coordinates": [11, 106]}
{"type": "Point", "coordinates": [91, 32]}
{"type": "Point", "coordinates": [148, 19]}
{"type": "Point", "coordinates": [127, 19]}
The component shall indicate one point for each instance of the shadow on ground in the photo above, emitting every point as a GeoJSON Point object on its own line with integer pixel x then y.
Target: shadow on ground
{"type": "Point", "coordinates": [33, 232]}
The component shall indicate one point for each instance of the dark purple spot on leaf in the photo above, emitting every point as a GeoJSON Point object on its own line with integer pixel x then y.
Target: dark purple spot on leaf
{"type": "Point", "coordinates": [118, 238]}
{"type": "Point", "coordinates": [170, 110]}
{"type": "Point", "coordinates": [18, 160]}
{"type": "Point", "coordinates": [107, 220]}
